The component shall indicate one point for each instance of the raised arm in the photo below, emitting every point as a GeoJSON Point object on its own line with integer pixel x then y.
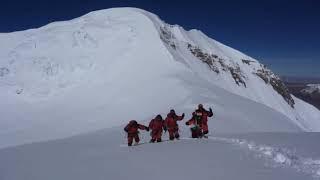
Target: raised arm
{"type": "Point", "coordinates": [210, 113]}
{"type": "Point", "coordinates": [179, 118]}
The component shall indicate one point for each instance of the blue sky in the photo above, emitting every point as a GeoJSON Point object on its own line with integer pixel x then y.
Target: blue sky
{"type": "Point", "coordinates": [284, 35]}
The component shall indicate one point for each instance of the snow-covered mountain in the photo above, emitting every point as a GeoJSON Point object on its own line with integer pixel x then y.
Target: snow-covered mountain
{"type": "Point", "coordinates": [311, 89]}
{"type": "Point", "coordinates": [107, 67]}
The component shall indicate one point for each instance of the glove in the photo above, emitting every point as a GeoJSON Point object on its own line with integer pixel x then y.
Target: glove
{"type": "Point", "coordinates": [187, 123]}
{"type": "Point", "coordinates": [126, 130]}
{"type": "Point", "coordinates": [165, 129]}
{"type": "Point", "coordinates": [210, 110]}
{"type": "Point", "coordinates": [147, 129]}
{"type": "Point", "coordinates": [182, 115]}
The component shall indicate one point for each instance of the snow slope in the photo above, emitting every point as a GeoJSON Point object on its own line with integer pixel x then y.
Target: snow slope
{"type": "Point", "coordinates": [104, 68]}
{"type": "Point", "coordinates": [100, 155]}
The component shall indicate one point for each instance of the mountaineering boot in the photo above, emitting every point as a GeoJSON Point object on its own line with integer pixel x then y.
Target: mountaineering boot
{"type": "Point", "coordinates": [177, 136]}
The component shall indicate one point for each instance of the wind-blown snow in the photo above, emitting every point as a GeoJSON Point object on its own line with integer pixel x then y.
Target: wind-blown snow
{"type": "Point", "coordinates": [107, 67]}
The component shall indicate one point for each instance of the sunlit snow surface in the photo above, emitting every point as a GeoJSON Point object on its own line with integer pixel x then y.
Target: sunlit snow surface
{"type": "Point", "coordinates": [103, 155]}
{"type": "Point", "coordinates": [100, 70]}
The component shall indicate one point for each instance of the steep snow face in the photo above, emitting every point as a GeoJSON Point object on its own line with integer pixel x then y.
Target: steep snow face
{"type": "Point", "coordinates": [110, 66]}
{"type": "Point", "coordinates": [234, 71]}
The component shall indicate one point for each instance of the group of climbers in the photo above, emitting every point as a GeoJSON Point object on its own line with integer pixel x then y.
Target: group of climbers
{"type": "Point", "coordinates": [198, 123]}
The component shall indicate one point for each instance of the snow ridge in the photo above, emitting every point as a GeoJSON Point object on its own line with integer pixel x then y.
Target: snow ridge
{"type": "Point", "coordinates": [232, 70]}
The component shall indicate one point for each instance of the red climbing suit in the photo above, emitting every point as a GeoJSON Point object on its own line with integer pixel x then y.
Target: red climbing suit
{"type": "Point", "coordinates": [133, 131]}
{"type": "Point", "coordinates": [200, 121]}
{"type": "Point", "coordinates": [172, 125]}
{"type": "Point", "coordinates": [156, 126]}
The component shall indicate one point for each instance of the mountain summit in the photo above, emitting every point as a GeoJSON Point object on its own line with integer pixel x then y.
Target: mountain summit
{"type": "Point", "coordinates": [109, 66]}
